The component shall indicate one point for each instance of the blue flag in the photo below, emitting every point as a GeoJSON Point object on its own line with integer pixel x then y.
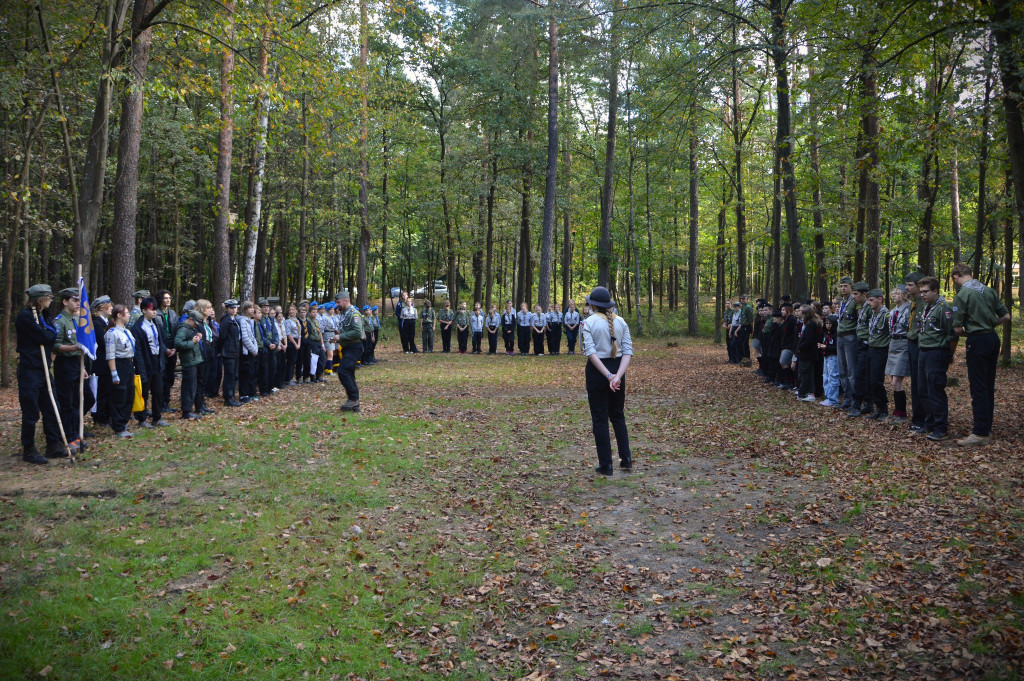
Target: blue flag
{"type": "Point", "coordinates": [86, 332]}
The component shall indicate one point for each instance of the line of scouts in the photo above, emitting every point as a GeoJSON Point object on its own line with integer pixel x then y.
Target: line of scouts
{"type": "Point", "coordinates": [253, 351]}
{"type": "Point", "coordinates": [811, 351]}
{"type": "Point", "coordinates": [538, 327]}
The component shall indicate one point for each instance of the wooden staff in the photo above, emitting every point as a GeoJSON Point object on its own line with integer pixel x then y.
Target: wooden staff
{"type": "Point", "coordinates": [81, 372]}
{"type": "Point", "coordinates": [49, 388]}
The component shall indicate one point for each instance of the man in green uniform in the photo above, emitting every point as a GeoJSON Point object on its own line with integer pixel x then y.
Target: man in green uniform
{"type": "Point", "coordinates": [846, 341]}
{"type": "Point", "coordinates": [878, 354]}
{"type": "Point", "coordinates": [428, 321]}
{"type": "Point", "coordinates": [977, 310]}
{"type": "Point", "coordinates": [937, 343]}
{"type": "Point", "coordinates": [350, 342]}
{"type": "Point", "coordinates": [860, 367]}
{"type": "Point", "coordinates": [913, 353]}
{"type": "Point", "coordinates": [67, 366]}
{"type": "Point", "coordinates": [136, 310]}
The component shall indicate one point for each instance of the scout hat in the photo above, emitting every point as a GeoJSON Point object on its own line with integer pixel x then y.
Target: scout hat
{"type": "Point", "coordinates": [600, 297]}
{"type": "Point", "coordinates": [262, 302]}
{"type": "Point", "coordinates": [861, 286]}
{"type": "Point", "coordinates": [70, 292]}
{"type": "Point", "coordinates": [102, 300]}
{"type": "Point", "coordinates": [196, 315]}
{"type": "Point", "coordinates": [343, 293]}
{"type": "Point", "coordinates": [38, 291]}
{"type": "Point", "coordinates": [914, 277]}
{"type": "Point", "coordinates": [231, 302]}
{"type": "Point", "coordinates": [846, 280]}
{"type": "Point", "coordinates": [141, 293]}
{"type": "Point", "coordinates": [876, 293]}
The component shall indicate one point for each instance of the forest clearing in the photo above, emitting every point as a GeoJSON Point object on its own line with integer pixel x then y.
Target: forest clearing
{"type": "Point", "coordinates": [455, 529]}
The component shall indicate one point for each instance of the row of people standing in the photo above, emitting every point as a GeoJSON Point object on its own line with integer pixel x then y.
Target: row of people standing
{"type": "Point", "coordinates": [865, 347]}
{"type": "Point", "coordinates": [543, 329]}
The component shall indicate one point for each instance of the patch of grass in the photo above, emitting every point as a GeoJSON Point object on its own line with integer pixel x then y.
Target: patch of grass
{"type": "Point", "coordinates": [640, 627]}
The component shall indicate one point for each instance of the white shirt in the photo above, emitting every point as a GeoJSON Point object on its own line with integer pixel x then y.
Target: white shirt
{"type": "Point", "coordinates": [151, 334]}
{"type": "Point", "coordinates": [597, 339]}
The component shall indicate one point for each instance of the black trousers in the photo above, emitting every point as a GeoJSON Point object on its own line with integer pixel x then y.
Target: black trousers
{"type": "Point", "coordinates": [280, 367]}
{"type": "Point", "coordinates": [409, 335]}
{"type": "Point", "coordinates": [732, 347]}
{"type": "Point", "coordinates": [508, 334]}
{"type": "Point", "coordinates": [401, 335]}
{"type": "Point", "coordinates": [168, 379]}
{"type": "Point", "coordinates": [446, 338]}
{"type": "Point", "coordinates": [350, 356]}
{"type": "Point", "coordinates": [230, 365]}
{"type": "Point", "coordinates": [154, 389]}
{"type": "Point", "coordinates": [524, 339]}
{"type": "Point", "coordinates": [102, 415]}
{"type": "Point", "coordinates": [428, 338]}
{"type": "Point", "coordinates": [743, 343]}
{"type": "Point", "coordinates": [555, 339]}
{"type": "Point", "coordinates": [317, 348]}
{"type": "Point", "coordinates": [206, 375]}
{"type": "Point", "coordinates": [877, 394]}
{"type": "Point", "coordinates": [478, 337]}
{"type": "Point", "coordinates": [122, 395]}
{"type": "Point", "coordinates": [932, 365]}
{"type": "Point", "coordinates": [860, 383]}
{"type": "Point", "coordinates": [805, 376]}
{"type": "Point", "coordinates": [982, 357]}
{"type": "Point", "coordinates": [66, 371]}
{"type": "Point", "coordinates": [538, 342]}
{"type": "Point", "coordinates": [606, 406]}
{"type": "Point", "coordinates": [492, 342]}
{"type": "Point", "coordinates": [267, 370]}
{"type": "Point", "coordinates": [373, 345]}
{"type": "Point", "coordinates": [463, 338]}
{"type": "Point", "coordinates": [570, 338]}
{"type": "Point", "coordinates": [189, 388]}
{"type": "Point", "coordinates": [35, 401]}
{"type": "Point", "coordinates": [291, 357]}
{"type": "Point", "coordinates": [246, 376]}
{"type": "Point", "coordinates": [916, 404]}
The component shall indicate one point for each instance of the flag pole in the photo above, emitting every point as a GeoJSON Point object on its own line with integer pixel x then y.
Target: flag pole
{"type": "Point", "coordinates": [45, 353]}
{"type": "Point", "coordinates": [81, 374]}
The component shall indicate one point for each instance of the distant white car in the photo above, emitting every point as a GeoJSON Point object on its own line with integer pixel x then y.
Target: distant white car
{"type": "Point", "coordinates": [440, 289]}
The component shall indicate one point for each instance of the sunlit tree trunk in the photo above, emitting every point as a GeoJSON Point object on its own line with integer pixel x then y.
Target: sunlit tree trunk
{"type": "Point", "coordinates": [221, 226]}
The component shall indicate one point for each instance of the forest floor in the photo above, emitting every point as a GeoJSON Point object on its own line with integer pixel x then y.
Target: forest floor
{"type": "Point", "coordinates": [455, 529]}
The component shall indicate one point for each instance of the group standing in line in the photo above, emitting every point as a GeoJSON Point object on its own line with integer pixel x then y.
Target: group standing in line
{"type": "Point", "coordinates": [853, 350]}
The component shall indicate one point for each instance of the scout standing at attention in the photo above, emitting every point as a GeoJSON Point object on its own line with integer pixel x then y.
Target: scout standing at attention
{"type": "Point", "coordinates": [609, 349]}
{"type": "Point", "coordinates": [428, 322]}
{"type": "Point", "coordinates": [878, 354]}
{"type": "Point", "coordinates": [67, 366]}
{"type": "Point", "coordinates": [492, 323]}
{"type": "Point", "coordinates": [897, 364]}
{"type": "Point", "coordinates": [33, 333]}
{"type": "Point", "coordinates": [523, 319]}
{"type": "Point", "coordinates": [572, 326]}
{"type": "Point", "coordinates": [446, 317]}
{"type": "Point", "coordinates": [859, 377]}
{"type": "Point", "coordinates": [121, 360]}
{"type": "Point", "coordinates": [846, 341]}
{"type": "Point", "coordinates": [186, 341]}
{"type": "Point", "coordinates": [476, 326]}
{"type": "Point", "coordinates": [914, 352]}
{"type": "Point", "coordinates": [554, 317]}
{"type": "Point", "coordinates": [350, 340]}
{"type": "Point", "coordinates": [462, 326]}
{"type": "Point", "coordinates": [508, 327]}
{"type": "Point", "coordinates": [977, 310]}
{"type": "Point", "coordinates": [539, 325]}
{"type": "Point", "coordinates": [937, 343]}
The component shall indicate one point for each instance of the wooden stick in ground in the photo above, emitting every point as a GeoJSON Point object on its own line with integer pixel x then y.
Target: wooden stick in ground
{"type": "Point", "coordinates": [49, 388]}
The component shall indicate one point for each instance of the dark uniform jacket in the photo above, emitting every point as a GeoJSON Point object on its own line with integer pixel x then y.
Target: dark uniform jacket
{"type": "Point", "coordinates": [229, 343]}
{"type": "Point", "coordinates": [31, 334]}
{"type": "Point", "coordinates": [101, 327]}
{"type": "Point", "coordinates": [146, 363]}
{"type": "Point", "coordinates": [167, 323]}
{"type": "Point", "coordinates": [189, 351]}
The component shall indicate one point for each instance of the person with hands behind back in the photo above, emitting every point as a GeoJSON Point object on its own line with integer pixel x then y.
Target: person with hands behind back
{"type": "Point", "coordinates": [608, 348]}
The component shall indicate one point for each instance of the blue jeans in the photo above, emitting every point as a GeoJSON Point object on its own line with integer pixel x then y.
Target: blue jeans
{"type": "Point", "coordinates": [846, 353]}
{"type": "Point", "coordinates": [830, 377]}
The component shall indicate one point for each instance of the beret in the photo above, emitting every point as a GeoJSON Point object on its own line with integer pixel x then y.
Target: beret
{"type": "Point", "coordinates": [38, 291]}
{"type": "Point", "coordinates": [343, 293]}
{"type": "Point", "coordinates": [196, 315]}
{"type": "Point", "coordinates": [102, 300]}
{"type": "Point", "coordinates": [141, 293]}
{"type": "Point", "coordinates": [70, 292]}
{"type": "Point", "coordinates": [876, 293]}
{"type": "Point", "coordinates": [846, 280]}
{"type": "Point", "coordinates": [914, 277]}
{"type": "Point", "coordinates": [861, 286]}
{"type": "Point", "coordinates": [231, 303]}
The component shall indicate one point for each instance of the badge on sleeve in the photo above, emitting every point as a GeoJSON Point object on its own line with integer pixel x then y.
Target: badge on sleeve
{"type": "Point", "coordinates": [949, 314]}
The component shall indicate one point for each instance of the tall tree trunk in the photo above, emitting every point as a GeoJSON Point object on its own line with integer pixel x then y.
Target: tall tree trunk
{"type": "Point", "coordinates": [692, 294]}
{"type": "Point", "coordinates": [821, 285]}
{"type": "Point", "coordinates": [650, 239]}
{"type": "Point", "coordinates": [221, 226]}
{"type": "Point", "coordinates": [384, 214]}
{"type": "Point", "coordinates": [566, 231]}
{"type": "Point", "coordinates": [551, 185]}
{"type": "Point", "coordinates": [632, 216]}
{"type": "Point", "coordinates": [720, 285]}
{"type": "Point", "coordinates": [776, 244]}
{"type": "Point", "coordinates": [784, 142]}
{"type": "Point", "coordinates": [126, 186]}
{"type": "Point", "coordinates": [986, 117]}
{"type": "Point", "coordinates": [741, 207]}
{"type": "Point", "coordinates": [954, 196]}
{"type": "Point", "coordinates": [364, 168]}
{"type": "Point", "coordinates": [1009, 49]}
{"type": "Point", "coordinates": [257, 168]}
{"type": "Point", "coordinates": [604, 248]}
{"type": "Point", "coordinates": [300, 284]}
{"type": "Point", "coordinates": [867, 157]}
{"type": "Point", "coordinates": [489, 247]}
{"type": "Point", "coordinates": [523, 292]}
{"type": "Point", "coordinates": [90, 198]}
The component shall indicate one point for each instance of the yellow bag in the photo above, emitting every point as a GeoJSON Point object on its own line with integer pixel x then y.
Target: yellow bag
{"type": "Point", "coordinates": [139, 403]}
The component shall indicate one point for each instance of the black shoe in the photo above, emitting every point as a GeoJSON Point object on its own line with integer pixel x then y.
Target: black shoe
{"type": "Point", "coordinates": [206, 411]}
{"type": "Point", "coordinates": [936, 436]}
{"type": "Point", "coordinates": [879, 415]}
{"type": "Point", "coordinates": [33, 456]}
{"type": "Point", "coordinates": [246, 400]}
{"type": "Point", "coordinates": [604, 470]}
{"type": "Point", "coordinates": [350, 405]}
{"type": "Point", "coordinates": [232, 403]}
{"type": "Point", "coordinates": [189, 416]}
{"type": "Point", "coordinates": [917, 429]}
{"type": "Point", "coordinates": [626, 464]}
{"type": "Point", "coordinates": [145, 424]}
{"type": "Point", "coordinates": [853, 412]}
{"type": "Point", "coordinates": [866, 409]}
{"type": "Point", "coordinates": [168, 410]}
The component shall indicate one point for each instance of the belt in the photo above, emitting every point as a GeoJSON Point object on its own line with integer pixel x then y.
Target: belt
{"type": "Point", "coordinates": [941, 347]}
{"type": "Point", "coordinates": [898, 337]}
{"type": "Point", "coordinates": [912, 341]}
{"type": "Point", "coordinates": [980, 333]}
{"type": "Point", "coordinates": [847, 333]}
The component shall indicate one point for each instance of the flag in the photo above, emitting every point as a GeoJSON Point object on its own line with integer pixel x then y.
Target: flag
{"type": "Point", "coordinates": [86, 332]}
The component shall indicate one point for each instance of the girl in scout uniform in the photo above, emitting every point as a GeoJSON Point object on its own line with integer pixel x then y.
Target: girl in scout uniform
{"type": "Point", "coordinates": [523, 319]}
{"type": "Point", "coordinates": [293, 334]}
{"type": "Point", "coordinates": [462, 327]}
{"type": "Point", "coordinates": [554, 318]}
{"type": "Point", "coordinates": [428, 321]}
{"type": "Point", "coordinates": [447, 318]}
{"type": "Point", "coordinates": [120, 353]}
{"type": "Point", "coordinates": [897, 365]}
{"type": "Point", "coordinates": [508, 327]}
{"type": "Point", "coordinates": [476, 326]}
{"type": "Point", "coordinates": [493, 321]}
{"type": "Point", "coordinates": [539, 325]}
{"type": "Point", "coordinates": [609, 349]}
{"type": "Point", "coordinates": [572, 326]}
{"type": "Point", "coordinates": [408, 322]}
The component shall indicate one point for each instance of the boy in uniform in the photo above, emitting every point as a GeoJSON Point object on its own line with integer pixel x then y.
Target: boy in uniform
{"type": "Point", "coordinates": [859, 375]}
{"type": "Point", "coordinates": [878, 354]}
{"type": "Point", "coordinates": [67, 366]}
{"type": "Point", "coordinates": [937, 343]}
{"type": "Point", "coordinates": [446, 317]}
{"type": "Point", "coordinates": [350, 340]}
{"type": "Point", "coordinates": [428, 321]}
{"type": "Point", "coordinates": [913, 352]}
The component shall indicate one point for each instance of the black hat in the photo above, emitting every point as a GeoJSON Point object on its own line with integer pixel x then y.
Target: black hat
{"type": "Point", "coordinates": [777, 313]}
{"type": "Point", "coordinates": [600, 297]}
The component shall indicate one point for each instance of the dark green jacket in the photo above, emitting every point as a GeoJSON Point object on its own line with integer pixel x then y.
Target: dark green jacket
{"type": "Point", "coordinates": [350, 327]}
{"type": "Point", "coordinates": [189, 352]}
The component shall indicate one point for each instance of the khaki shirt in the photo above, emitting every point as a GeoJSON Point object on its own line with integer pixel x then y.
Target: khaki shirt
{"type": "Point", "coordinates": [936, 327]}
{"type": "Point", "coordinates": [976, 307]}
{"type": "Point", "coordinates": [66, 334]}
{"type": "Point", "coordinates": [878, 328]}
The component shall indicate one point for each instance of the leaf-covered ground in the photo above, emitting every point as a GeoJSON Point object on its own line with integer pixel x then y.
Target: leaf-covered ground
{"type": "Point", "coordinates": [455, 529]}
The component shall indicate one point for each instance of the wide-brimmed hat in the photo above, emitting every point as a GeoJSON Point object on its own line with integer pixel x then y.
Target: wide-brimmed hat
{"type": "Point", "coordinates": [600, 297]}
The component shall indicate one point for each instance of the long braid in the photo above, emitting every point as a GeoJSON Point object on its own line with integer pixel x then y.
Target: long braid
{"type": "Point", "coordinates": [610, 317]}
